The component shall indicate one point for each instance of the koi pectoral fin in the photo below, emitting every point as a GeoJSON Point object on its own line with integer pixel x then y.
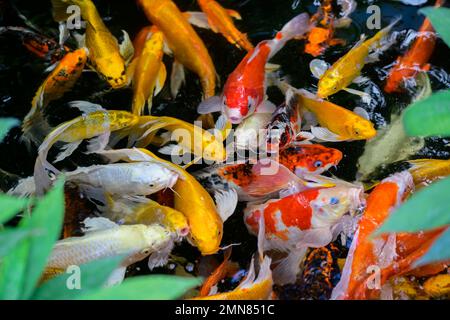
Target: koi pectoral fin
{"type": "Point", "coordinates": [318, 67]}
{"type": "Point", "coordinates": [288, 268]}
{"type": "Point", "coordinates": [198, 19]}
{"type": "Point", "coordinates": [116, 277]}
{"type": "Point", "coordinates": [176, 78]}
{"type": "Point", "coordinates": [226, 202]}
{"type": "Point", "coordinates": [325, 134]}
{"type": "Point", "coordinates": [126, 48]}
{"type": "Point", "coordinates": [67, 150]}
{"type": "Point", "coordinates": [213, 104]}
{"type": "Point", "coordinates": [366, 98]}
{"type": "Point", "coordinates": [162, 76]}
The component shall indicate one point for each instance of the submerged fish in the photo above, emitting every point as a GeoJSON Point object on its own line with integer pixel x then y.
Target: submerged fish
{"type": "Point", "coordinates": [105, 54]}
{"type": "Point", "coordinates": [58, 82]}
{"type": "Point", "coordinates": [220, 20]}
{"type": "Point", "coordinates": [104, 238]}
{"type": "Point", "coordinates": [415, 59]}
{"type": "Point", "coordinates": [245, 89]}
{"type": "Point", "coordinates": [344, 71]}
{"type": "Point", "coordinates": [425, 171]}
{"type": "Point", "coordinates": [147, 69]}
{"type": "Point", "coordinates": [310, 218]}
{"type": "Point", "coordinates": [96, 124]}
{"type": "Point", "coordinates": [187, 47]}
{"type": "Point", "coordinates": [205, 218]}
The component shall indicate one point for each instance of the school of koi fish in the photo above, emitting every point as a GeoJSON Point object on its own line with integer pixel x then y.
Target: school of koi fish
{"type": "Point", "coordinates": [152, 187]}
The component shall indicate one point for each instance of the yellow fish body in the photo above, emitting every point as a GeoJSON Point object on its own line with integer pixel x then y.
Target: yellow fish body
{"type": "Point", "coordinates": [104, 51]}
{"type": "Point", "coordinates": [425, 171]}
{"type": "Point", "coordinates": [342, 73]}
{"type": "Point", "coordinates": [205, 218]}
{"type": "Point", "coordinates": [187, 47]}
{"type": "Point", "coordinates": [338, 123]}
{"type": "Point", "coordinates": [149, 72]}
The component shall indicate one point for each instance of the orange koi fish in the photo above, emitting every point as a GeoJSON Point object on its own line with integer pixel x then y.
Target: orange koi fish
{"type": "Point", "coordinates": [57, 83]}
{"type": "Point", "coordinates": [364, 251]}
{"type": "Point", "coordinates": [245, 178]}
{"type": "Point", "coordinates": [310, 218]}
{"type": "Point", "coordinates": [220, 20]}
{"type": "Point", "coordinates": [415, 59]}
{"type": "Point", "coordinates": [187, 47]}
{"type": "Point", "coordinates": [147, 70]}
{"type": "Point", "coordinates": [245, 88]}
{"type": "Point", "coordinates": [38, 44]}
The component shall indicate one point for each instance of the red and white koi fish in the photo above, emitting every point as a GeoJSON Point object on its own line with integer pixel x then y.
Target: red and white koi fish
{"type": "Point", "coordinates": [245, 88]}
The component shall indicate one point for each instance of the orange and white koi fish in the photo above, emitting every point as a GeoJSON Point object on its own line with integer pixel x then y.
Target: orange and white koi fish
{"type": "Point", "coordinates": [187, 47]}
{"type": "Point", "coordinates": [415, 59]}
{"type": "Point", "coordinates": [220, 20]}
{"type": "Point", "coordinates": [301, 160]}
{"type": "Point", "coordinates": [310, 218]}
{"type": "Point", "coordinates": [364, 251]}
{"type": "Point", "coordinates": [147, 68]}
{"type": "Point", "coordinates": [105, 54]}
{"type": "Point", "coordinates": [348, 68]}
{"type": "Point", "coordinates": [58, 82]}
{"type": "Point", "coordinates": [245, 88]}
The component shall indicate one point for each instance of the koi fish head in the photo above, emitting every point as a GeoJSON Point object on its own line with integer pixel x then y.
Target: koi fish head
{"type": "Point", "coordinates": [332, 203]}
{"type": "Point", "coordinates": [361, 129]}
{"type": "Point", "coordinates": [310, 158]}
{"type": "Point", "coordinates": [112, 69]}
{"type": "Point", "coordinates": [177, 222]}
{"type": "Point", "coordinates": [208, 239]}
{"type": "Point", "coordinates": [155, 237]}
{"type": "Point", "coordinates": [239, 104]}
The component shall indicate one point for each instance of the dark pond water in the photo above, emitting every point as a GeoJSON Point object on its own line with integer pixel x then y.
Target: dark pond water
{"type": "Point", "coordinates": [21, 73]}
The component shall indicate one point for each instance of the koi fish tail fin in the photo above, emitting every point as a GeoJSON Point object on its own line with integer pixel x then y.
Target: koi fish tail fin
{"type": "Point", "coordinates": [138, 105]}
{"type": "Point", "coordinates": [288, 268]}
{"type": "Point", "coordinates": [34, 128]}
{"type": "Point", "coordinates": [295, 28]}
{"type": "Point", "coordinates": [24, 188]}
{"type": "Point", "coordinates": [42, 180]}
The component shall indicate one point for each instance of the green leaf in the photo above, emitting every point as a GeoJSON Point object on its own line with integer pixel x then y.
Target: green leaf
{"type": "Point", "coordinates": [93, 275]}
{"type": "Point", "coordinates": [427, 209]}
{"type": "Point", "coordinates": [429, 117]}
{"type": "Point", "coordinates": [11, 237]}
{"type": "Point", "coordinates": [439, 251]}
{"type": "Point", "coordinates": [47, 219]}
{"type": "Point", "coordinates": [5, 125]}
{"type": "Point", "coordinates": [157, 287]}
{"type": "Point", "coordinates": [440, 19]}
{"type": "Point", "coordinates": [10, 206]}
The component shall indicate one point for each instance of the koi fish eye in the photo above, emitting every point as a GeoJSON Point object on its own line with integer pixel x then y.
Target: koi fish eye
{"type": "Point", "coordinates": [318, 164]}
{"type": "Point", "coordinates": [334, 201]}
{"type": "Point", "coordinates": [146, 251]}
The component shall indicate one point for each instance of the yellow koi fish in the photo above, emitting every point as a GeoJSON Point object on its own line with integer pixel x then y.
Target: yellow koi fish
{"type": "Point", "coordinates": [149, 72]}
{"type": "Point", "coordinates": [425, 171]}
{"type": "Point", "coordinates": [141, 210]}
{"type": "Point", "coordinates": [205, 218]}
{"type": "Point", "coordinates": [103, 239]}
{"type": "Point", "coordinates": [58, 82]}
{"type": "Point", "coordinates": [187, 47]}
{"type": "Point", "coordinates": [190, 138]}
{"type": "Point", "coordinates": [97, 124]}
{"type": "Point", "coordinates": [220, 20]}
{"type": "Point", "coordinates": [344, 71]}
{"type": "Point", "coordinates": [105, 54]}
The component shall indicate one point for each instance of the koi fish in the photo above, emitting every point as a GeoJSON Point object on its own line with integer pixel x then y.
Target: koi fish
{"type": "Point", "coordinates": [321, 36]}
{"type": "Point", "coordinates": [148, 70]}
{"type": "Point", "coordinates": [425, 171]}
{"type": "Point", "coordinates": [141, 210]}
{"type": "Point", "coordinates": [310, 218]}
{"type": "Point", "coordinates": [105, 54]}
{"type": "Point", "coordinates": [205, 217]}
{"type": "Point", "coordinates": [38, 44]}
{"type": "Point", "coordinates": [344, 71]}
{"type": "Point", "coordinates": [220, 20]}
{"type": "Point", "coordinates": [58, 82]}
{"type": "Point", "coordinates": [104, 238]}
{"type": "Point", "coordinates": [96, 124]}
{"type": "Point", "coordinates": [245, 89]}
{"type": "Point", "coordinates": [187, 47]}
{"type": "Point", "coordinates": [245, 178]}
{"type": "Point", "coordinates": [190, 138]}
{"type": "Point", "coordinates": [350, 126]}
{"type": "Point", "coordinates": [415, 59]}
{"type": "Point", "coordinates": [380, 251]}
{"type": "Point", "coordinates": [218, 274]}
{"type": "Point", "coordinates": [252, 287]}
